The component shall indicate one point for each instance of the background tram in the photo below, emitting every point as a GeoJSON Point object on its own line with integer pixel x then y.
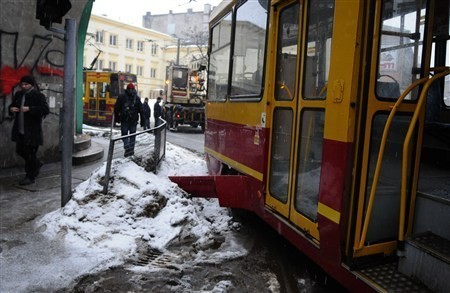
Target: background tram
{"type": "Point", "coordinates": [101, 90]}
{"type": "Point", "coordinates": [330, 119]}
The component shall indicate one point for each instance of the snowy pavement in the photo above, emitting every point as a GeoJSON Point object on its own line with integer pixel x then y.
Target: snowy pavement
{"type": "Point", "coordinates": [142, 212]}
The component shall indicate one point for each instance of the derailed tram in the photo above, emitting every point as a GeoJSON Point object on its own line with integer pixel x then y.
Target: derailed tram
{"type": "Point", "coordinates": [330, 119]}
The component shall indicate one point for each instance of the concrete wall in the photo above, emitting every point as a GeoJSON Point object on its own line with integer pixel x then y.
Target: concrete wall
{"type": "Point", "coordinates": [28, 48]}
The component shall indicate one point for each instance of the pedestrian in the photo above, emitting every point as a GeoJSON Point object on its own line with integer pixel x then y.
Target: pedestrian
{"type": "Point", "coordinates": [157, 111]}
{"type": "Point", "coordinates": [29, 107]}
{"type": "Point", "coordinates": [127, 110]}
{"type": "Point", "coordinates": [146, 113]}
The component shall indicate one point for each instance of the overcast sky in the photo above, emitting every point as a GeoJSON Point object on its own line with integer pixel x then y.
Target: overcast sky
{"type": "Point", "coordinates": [131, 11]}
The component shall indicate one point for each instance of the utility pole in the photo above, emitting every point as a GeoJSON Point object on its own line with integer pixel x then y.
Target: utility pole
{"type": "Point", "coordinates": [67, 111]}
{"type": "Point", "coordinates": [49, 12]}
{"type": "Point", "coordinates": [178, 51]}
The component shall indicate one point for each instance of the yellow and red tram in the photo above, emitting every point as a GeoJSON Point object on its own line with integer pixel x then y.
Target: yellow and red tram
{"type": "Point", "coordinates": [101, 90]}
{"type": "Point", "coordinates": [330, 119]}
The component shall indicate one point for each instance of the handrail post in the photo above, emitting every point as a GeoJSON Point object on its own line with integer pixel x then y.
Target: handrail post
{"type": "Point", "coordinates": [406, 143]}
{"type": "Point", "coordinates": [402, 213]}
{"type": "Point", "coordinates": [108, 166]}
{"type": "Point", "coordinates": [380, 159]}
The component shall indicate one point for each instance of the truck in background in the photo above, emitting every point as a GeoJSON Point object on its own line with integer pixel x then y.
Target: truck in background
{"type": "Point", "coordinates": [184, 103]}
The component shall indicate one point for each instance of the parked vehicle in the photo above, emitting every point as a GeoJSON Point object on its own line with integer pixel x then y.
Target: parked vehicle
{"type": "Point", "coordinates": [184, 102]}
{"type": "Point", "coordinates": [101, 90]}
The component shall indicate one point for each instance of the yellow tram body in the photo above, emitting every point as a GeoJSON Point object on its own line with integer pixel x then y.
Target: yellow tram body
{"type": "Point", "coordinates": [330, 119]}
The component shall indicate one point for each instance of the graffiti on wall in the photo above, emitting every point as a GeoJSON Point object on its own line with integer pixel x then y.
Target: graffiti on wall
{"type": "Point", "coordinates": [39, 57]}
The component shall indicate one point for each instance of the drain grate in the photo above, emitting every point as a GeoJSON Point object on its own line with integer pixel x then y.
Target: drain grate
{"type": "Point", "coordinates": [155, 257]}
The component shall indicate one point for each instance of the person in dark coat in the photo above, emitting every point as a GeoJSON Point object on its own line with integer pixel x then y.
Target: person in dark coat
{"type": "Point", "coordinates": [146, 113]}
{"type": "Point", "coordinates": [127, 110]}
{"type": "Point", "coordinates": [157, 111]}
{"type": "Point", "coordinates": [28, 107]}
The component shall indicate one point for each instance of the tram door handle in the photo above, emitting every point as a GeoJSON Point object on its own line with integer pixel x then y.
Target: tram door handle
{"type": "Point", "coordinates": [338, 91]}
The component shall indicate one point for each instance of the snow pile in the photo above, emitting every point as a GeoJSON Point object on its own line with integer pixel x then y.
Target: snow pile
{"type": "Point", "coordinates": [144, 211]}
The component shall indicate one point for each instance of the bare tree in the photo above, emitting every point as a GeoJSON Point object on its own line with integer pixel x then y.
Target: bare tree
{"type": "Point", "coordinates": [197, 38]}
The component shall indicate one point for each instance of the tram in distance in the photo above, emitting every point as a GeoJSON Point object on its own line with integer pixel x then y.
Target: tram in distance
{"type": "Point", "coordinates": [330, 119]}
{"type": "Point", "coordinates": [101, 90]}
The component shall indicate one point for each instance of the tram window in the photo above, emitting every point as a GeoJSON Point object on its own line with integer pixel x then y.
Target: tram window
{"type": "Point", "coordinates": [287, 52]}
{"type": "Point", "coordinates": [92, 107]}
{"type": "Point", "coordinates": [114, 87]}
{"type": "Point", "coordinates": [318, 51]}
{"type": "Point", "coordinates": [446, 96]}
{"type": "Point", "coordinates": [281, 153]}
{"type": "Point", "coordinates": [386, 203]}
{"type": "Point", "coordinates": [103, 89]}
{"type": "Point", "coordinates": [93, 89]}
{"type": "Point", "coordinates": [447, 90]}
{"type": "Point", "coordinates": [400, 49]}
{"type": "Point", "coordinates": [102, 107]}
{"type": "Point", "coordinates": [249, 49]}
{"type": "Point", "coordinates": [219, 60]}
{"type": "Point", "coordinates": [309, 163]}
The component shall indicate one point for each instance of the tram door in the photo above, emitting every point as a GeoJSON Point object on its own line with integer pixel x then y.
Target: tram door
{"type": "Point", "coordinates": [96, 94]}
{"type": "Point", "coordinates": [400, 61]}
{"type": "Point", "coordinates": [298, 117]}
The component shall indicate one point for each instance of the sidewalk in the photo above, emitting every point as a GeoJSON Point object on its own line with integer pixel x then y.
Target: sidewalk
{"type": "Point", "coordinates": [36, 199]}
{"type": "Point", "coordinates": [24, 251]}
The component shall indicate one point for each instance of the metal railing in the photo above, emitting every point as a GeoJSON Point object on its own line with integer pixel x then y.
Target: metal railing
{"type": "Point", "coordinates": [149, 150]}
{"type": "Point", "coordinates": [426, 82]}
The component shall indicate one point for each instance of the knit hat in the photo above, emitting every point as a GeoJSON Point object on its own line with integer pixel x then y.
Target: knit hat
{"type": "Point", "coordinates": [28, 79]}
{"type": "Point", "coordinates": [130, 86]}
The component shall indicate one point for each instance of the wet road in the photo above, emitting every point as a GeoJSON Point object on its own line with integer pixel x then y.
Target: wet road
{"type": "Point", "coordinates": [191, 138]}
{"type": "Point", "coordinates": [272, 265]}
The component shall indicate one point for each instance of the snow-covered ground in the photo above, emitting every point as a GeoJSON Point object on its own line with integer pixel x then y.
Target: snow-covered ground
{"type": "Point", "coordinates": [140, 207]}
{"type": "Point", "coordinates": [142, 212]}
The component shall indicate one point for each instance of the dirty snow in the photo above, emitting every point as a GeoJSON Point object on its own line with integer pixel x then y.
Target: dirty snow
{"type": "Point", "coordinates": [142, 212]}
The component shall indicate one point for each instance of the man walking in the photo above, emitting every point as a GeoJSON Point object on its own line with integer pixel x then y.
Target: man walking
{"type": "Point", "coordinates": [157, 111]}
{"type": "Point", "coordinates": [146, 113]}
{"type": "Point", "coordinates": [127, 109]}
{"type": "Point", "coordinates": [29, 106]}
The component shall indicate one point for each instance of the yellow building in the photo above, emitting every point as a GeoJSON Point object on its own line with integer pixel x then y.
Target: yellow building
{"type": "Point", "coordinates": [128, 48]}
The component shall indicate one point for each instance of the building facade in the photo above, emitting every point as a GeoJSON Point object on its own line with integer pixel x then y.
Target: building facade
{"type": "Point", "coordinates": [117, 46]}
{"type": "Point", "coordinates": [180, 25]}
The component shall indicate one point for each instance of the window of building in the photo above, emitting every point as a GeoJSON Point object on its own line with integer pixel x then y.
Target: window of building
{"type": "Point", "coordinates": [128, 68]}
{"type": "Point", "coordinates": [100, 64]}
{"type": "Point", "coordinates": [140, 46]}
{"type": "Point", "coordinates": [140, 70]}
{"type": "Point", "coordinates": [153, 72]}
{"type": "Point", "coordinates": [99, 37]}
{"type": "Point", "coordinates": [129, 44]}
{"type": "Point", "coordinates": [112, 65]}
{"type": "Point", "coordinates": [154, 47]}
{"type": "Point", "coordinates": [113, 40]}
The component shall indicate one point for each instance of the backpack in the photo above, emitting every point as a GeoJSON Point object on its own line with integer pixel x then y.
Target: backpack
{"type": "Point", "coordinates": [128, 109]}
